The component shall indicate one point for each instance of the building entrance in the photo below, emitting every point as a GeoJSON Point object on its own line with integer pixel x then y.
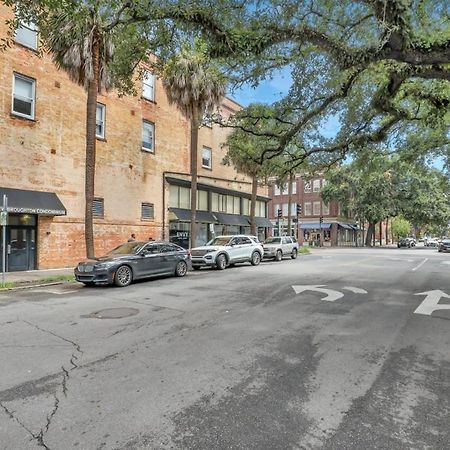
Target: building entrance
{"type": "Point", "coordinates": [20, 243]}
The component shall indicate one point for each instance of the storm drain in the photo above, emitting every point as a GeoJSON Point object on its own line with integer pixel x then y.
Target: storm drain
{"type": "Point", "coordinates": [113, 313]}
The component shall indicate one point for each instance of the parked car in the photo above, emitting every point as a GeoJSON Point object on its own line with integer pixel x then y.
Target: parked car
{"type": "Point", "coordinates": [223, 251]}
{"type": "Point", "coordinates": [444, 246]}
{"type": "Point", "coordinates": [406, 242]}
{"type": "Point", "coordinates": [277, 247]}
{"type": "Point", "coordinates": [432, 242]}
{"type": "Point", "coordinates": [133, 261]}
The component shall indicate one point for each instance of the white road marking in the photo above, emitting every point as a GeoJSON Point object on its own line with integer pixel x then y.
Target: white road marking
{"type": "Point", "coordinates": [420, 265]}
{"type": "Point", "coordinates": [332, 295]}
{"type": "Point", "coordinates": [355, 290]}
{"type": "Point", "coordinates": [431, 302]}
{"type": "Point", "coordinates": [446, 262]}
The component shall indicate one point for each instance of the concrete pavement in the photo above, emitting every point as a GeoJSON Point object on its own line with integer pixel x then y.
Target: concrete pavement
{"type": "Point", "coordinates": [235, 359]}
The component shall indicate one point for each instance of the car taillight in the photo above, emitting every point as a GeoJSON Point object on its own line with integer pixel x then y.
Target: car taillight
{"type": "Point", "coordinates": [189, 253]}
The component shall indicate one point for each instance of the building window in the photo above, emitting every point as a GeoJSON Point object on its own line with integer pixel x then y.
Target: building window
{"type": "Point", "coordinates": [246, 206]}
{"type": "Point", "coordinates": [148, 86]}
{"type": "Point", "coordinates": [276, 190]}
{"type": "Point", "coordinates": [27, 35]}
{"type": "Point", "coordinates": [148, 136]}
{"type": "Point", "coordinates": [316, 208]}
{"type": "Point", "coordinates": [202, 200]}
{"type": "Point", "coordinates": [100, 120]}
{"type": "Point", "coordinates": [147, 211]}
{"type": "Point", "coordinates": [294, 187]}
{"type": "Point", "coordinates": [98, 208]}
{"type": "Point", "coordinates": [276, 207]}
{"type": "Point", "coordinates": [307, 186]}
{"type": "Point", "coordinates": [24, 93]}
{"type": "Point", "coordinates": [293, 209]}
{"type": "Point", "coordinates": [207, 158]}
{"type": "Point", "coordinates": [286, 188]}
{"type": "Point", "coordinates": [285, 209]}
{"type": "Point", "coordinates": [307, 210]}
{"type": "Point", "coordinates": [316, 185]}
{"type": "Point", "coordinates": [325, 209]}
{"type": "Point", "coordinates": [260, 209]}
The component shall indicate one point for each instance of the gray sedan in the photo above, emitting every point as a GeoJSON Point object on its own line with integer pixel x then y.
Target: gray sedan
{"type": "Point", "coordinates": [133, 261]}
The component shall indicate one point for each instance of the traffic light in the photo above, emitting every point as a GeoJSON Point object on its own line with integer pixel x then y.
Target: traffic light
{"type": "Point", "coordinates": [321, 220]}
{"type": "Point", "coordinates": [299, 209]}
{"type": "Point", "coordinates": [279, 213]}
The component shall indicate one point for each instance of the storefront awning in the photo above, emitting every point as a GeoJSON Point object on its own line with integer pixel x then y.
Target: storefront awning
{"type": "Point", "coordinates": [232, 219]}
{"type": "Point", "coordinates": [315, 226]}
{"type": "Point", "coordinates": [21, 201]}
{"type": "Point", "coordinates": [263, 222]}
{"type": "Point", "coordinates": [185, 215]}
{"type": "Point", "coordinates": [346, 226]}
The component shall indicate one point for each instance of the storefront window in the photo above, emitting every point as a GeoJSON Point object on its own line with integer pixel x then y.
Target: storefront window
{"type": "Point", "coordinates": [185, 198]}
{"type": "Point", "coordinates": [202, 200]}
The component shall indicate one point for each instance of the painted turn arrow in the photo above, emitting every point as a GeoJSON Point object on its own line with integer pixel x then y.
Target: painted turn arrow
{"type": "Point", "coordinates": [431, 302]}
{"type": "Point", "coordinates": [332, 295]}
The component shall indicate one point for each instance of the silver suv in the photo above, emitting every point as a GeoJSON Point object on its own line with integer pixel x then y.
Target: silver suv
{"type": "Point", "coordinates": [277, 247]}
{"type": "Point", "coordinates": [223, 251]}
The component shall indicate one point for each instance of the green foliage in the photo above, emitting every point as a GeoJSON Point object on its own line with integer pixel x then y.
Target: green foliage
{"type": "Point", "coordinates": [400, 227]}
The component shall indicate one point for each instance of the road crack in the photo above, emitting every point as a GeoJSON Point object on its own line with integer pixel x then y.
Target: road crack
{"type": "Point", "coordinates": [65, 374]}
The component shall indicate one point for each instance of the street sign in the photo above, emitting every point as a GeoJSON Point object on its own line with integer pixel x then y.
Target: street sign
{"type": "Point", "coordinates": [3, 218]}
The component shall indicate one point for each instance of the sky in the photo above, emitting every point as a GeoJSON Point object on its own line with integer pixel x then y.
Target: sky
{"type": "Point", "coordinates": [274, 89]}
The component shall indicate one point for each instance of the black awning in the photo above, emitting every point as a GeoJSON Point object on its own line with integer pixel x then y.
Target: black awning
{"type": "Point", "coordinates": [185, 215]}
{"type": "Point", "coordinates": [232, 219]}
{"type": "Point", "coordinates": [33, 202]}
{"type": "Point", "coordinates": [263, 222]}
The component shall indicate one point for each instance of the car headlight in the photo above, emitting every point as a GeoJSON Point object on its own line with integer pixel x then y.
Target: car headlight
{"type": "Point", "coordinates": [104, 265]}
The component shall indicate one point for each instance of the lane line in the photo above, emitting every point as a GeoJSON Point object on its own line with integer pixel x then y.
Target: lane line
{"type": "Point", "coordinates": [420, 265]}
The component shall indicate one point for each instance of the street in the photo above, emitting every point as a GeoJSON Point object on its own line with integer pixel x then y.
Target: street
{"type": "Point", "coordinates": [340, 349]}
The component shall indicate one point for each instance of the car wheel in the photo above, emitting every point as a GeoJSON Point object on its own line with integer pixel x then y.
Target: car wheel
{"type": "Point", "coordinates": [221, 262]}
{"type": "Point", "coordinates": [278, 256]}
{"type": "Point", "coordinates": [256, 258]}
{"type": "Point", "coordinates": [181, 269]}
{"type": "Point", "coordinates": [196, 267]}
{"type": "Point", "coordinates": [123, 276]}
{"type": "Point", "coordinates": [294, 253]}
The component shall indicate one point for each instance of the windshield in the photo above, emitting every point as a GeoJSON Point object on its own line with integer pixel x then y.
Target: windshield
{"type": "Point", "coordinates": [126, 249]}
{"type": "Point", "coordinates": [221, 240]}
{"type": "Point", "coordinates": [272, 241]}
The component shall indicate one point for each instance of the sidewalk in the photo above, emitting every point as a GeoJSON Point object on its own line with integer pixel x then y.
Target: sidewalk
{"type": "Point", "coordinates": [38, 276]}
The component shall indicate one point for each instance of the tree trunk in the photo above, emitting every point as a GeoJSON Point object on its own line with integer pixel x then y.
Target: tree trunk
{"type": "Point", "coordinates": [387, 230]}
{"type": "Point", "coordinates": [381, 233]}
{"type": "Point", "coordinates": [253, 206]}
{"type": "Point", "coordinates": [91, 125]}
{"type": "Point", "coordinates": [194, 171]}
{"type": "Point", "coordinates": [291, 175]}
{"type": "Point", "coordinates": [370, 233]}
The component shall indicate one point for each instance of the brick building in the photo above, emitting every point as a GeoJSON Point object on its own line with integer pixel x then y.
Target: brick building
{"type": "Point", "coordinates": [318, 221]}
{"type": "Point", "coordinates": [142, 170]}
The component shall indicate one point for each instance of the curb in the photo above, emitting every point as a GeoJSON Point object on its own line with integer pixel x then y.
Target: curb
{"type": "Point", "coordinates": [20, 288]}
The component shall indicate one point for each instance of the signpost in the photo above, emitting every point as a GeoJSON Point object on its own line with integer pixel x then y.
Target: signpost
{"type": "Point", "coordinates": [4, 224]}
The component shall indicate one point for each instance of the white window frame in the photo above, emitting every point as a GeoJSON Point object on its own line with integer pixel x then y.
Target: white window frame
{"type": "Point", "coordinates": [210, 157]}
{"type": "Point", "coordinates": [307, 209]}
{"type": "Point", "coordinates": [30, 26]}
{"type": "Point", "coordinates": [149, 80]}
{"type": "Point", "coordinates": [316, 185]}
{"type": "Point", "coordinates": [32, 100]}
{"type": "Point", "coordinates": [308, 186]}
{"type": "Point", "coordinates": [152, 126]}
{"type": "Point", "coordinates": [294, 187]}
{"type": "Point", "coordinates": [277, 190]}
{"type": "Point", "coordinates": [325, 209]}
{"type": "Point", "coordinates": [103, 109]}
{"type": "Point", "coordinates": [285, 209]}
{"type": "Point", "coordinates": [316, 209]}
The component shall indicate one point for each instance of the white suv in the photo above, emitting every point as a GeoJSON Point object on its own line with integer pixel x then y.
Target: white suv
{"type": "Point", "coordinates": [223, 251]}
{"type": "Point", "coordinates": [277, 247]}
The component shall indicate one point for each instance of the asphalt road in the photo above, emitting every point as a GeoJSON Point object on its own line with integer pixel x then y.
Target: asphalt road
{"type": "Point", "coordinates": [238, 359]}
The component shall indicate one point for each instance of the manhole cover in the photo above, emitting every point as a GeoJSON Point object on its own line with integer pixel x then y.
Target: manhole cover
{"type": "Point", "coordinates": [113, 313]}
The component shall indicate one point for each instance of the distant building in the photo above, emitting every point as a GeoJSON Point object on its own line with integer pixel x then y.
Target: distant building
{"type": "Point", "coordinates": [318, 221]}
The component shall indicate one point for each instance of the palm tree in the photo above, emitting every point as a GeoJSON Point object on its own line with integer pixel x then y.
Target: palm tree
{"type": "Point", "coordinates": [81, 45]}
{"type": "Point", "coordinates": [194, 83]}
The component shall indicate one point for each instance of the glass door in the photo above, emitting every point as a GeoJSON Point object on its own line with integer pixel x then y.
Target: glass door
{"type": "Point", "coordinates": [21, 248]}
